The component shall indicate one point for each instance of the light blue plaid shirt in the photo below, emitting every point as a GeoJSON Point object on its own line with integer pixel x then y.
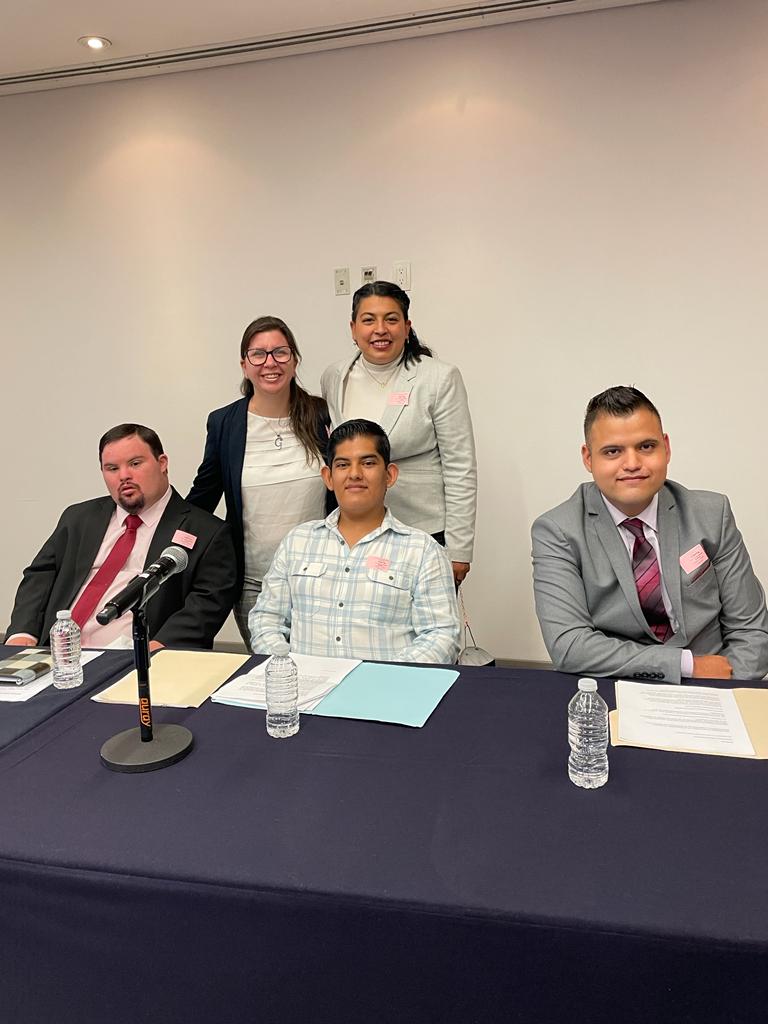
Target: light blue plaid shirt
{"type": "Point", "coordinates": [389, 598]}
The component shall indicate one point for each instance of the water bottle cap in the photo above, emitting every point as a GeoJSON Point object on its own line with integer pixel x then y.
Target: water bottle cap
{"type": "Point", "coordinates": [588, 685]}
{"type": "Point", "coordinates": [65, 614]}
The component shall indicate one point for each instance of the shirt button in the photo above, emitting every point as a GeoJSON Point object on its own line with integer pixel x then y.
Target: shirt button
{"type": "Point", "coordinates": [341, 604]}
{"type": "Point", "coordinates": [346, 569]}
{"type": "Point", "coordinates": [391, 577]}
{"type": "Point", "coordinates": [338, 639]}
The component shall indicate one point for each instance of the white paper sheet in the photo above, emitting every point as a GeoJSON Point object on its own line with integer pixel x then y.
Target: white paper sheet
{"type": "Point", "coordinates": [317, 677]}
{"type": "Point", "coordinates": [702, 719]}
{"type": "Point", "coordinates": [18, 694]}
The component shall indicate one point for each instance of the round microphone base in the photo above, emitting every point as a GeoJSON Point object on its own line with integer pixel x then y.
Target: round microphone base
{"type": "Point", "coordinates": [125, 751]}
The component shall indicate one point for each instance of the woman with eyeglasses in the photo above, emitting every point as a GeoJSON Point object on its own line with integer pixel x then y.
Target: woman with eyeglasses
{"type": "Point", "coordinates": [264, 454]}
{"type": "Point", "coordinates": [421, 403]}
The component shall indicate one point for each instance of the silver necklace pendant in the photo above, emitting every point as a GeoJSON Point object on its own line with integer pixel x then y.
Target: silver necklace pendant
{"type": "Point", "coordinates": [278, 440]}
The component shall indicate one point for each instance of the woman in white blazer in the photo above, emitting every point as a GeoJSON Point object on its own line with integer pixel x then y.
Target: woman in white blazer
{"type": "Point", "coordinates": [421, 403]}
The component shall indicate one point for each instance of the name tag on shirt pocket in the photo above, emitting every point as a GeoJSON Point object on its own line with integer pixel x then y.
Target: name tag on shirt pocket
{"type": "Point", "coordinates": [396, 580]}
{"type": "Point", "coordinates": [310, 569]}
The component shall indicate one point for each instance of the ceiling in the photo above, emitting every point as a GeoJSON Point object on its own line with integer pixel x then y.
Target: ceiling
{"type": "Point", "coordinates": [39, 48]}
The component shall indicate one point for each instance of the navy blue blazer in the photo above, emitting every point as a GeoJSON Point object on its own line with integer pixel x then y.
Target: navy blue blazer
{"type": "Point", "coordinates": [221, 470]}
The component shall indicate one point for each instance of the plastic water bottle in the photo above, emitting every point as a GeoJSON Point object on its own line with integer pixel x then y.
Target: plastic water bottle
{"type": "Point", "coordinates": [65, 648]}
{"type": "Point", "coordinates": [282, 686]}
{"type": "Point", "coordinates": [588, 737]}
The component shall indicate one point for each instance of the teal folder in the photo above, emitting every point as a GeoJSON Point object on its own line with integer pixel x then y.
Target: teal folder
{"type": "Point", "coordinates": [403, 694]}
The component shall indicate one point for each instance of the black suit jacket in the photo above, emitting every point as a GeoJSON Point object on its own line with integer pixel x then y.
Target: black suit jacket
{"type": "Point", "coordinates": [221, 470]}
{"type": "Point", "coordinates": [187, 611]}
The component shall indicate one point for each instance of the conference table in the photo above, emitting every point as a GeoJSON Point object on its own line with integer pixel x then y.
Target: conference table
{"type": "Point", "coordinates": [17, 718]}
{"type": "Point", "coordinates": [362, 872]}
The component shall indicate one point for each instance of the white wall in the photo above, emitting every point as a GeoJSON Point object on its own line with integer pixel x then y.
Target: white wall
{"type": "Point", "coordinates": [582, 199]}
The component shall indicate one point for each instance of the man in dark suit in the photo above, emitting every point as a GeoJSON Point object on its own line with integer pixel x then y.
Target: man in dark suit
{"type": "Point", "coordinates": [637, 576]}
{"type": "Point", "coordinates": [141, 517]}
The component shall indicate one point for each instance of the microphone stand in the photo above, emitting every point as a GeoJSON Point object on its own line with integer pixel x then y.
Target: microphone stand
{"type": "Point", "coordinates": [145, 748]}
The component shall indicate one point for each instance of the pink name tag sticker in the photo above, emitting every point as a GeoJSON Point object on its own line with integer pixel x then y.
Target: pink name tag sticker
{"type": "Point", "coordinates": [187, 540]}
{"type": "Point", "coordinates": [398, 398]}
{"type": "Point", "coordinates": [693, 559]}
{"type": "Point", "coordinates": [373, 562]}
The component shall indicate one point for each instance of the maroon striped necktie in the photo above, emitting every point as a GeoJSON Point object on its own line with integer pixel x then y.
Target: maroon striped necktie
{"type": "Point", "coordinates": [645, 567]}
{"type": "Point", "coordinates": [94, 593]}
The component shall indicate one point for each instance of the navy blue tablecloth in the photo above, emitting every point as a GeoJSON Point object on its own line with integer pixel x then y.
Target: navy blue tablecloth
{"type": "Point", "coordinates": [17, 718]}
{"type": "Point", "coordinates": [361, 872]}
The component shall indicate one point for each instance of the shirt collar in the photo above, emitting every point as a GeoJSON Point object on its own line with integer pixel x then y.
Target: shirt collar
{"type": "Point", "coordinates": [649, 515]}
{"type": "Point", "coordinates": [331, 522]}
{"type": "Point", "coordinates": [149, 516]}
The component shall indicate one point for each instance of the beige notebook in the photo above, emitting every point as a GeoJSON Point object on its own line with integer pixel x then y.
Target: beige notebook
{"type": "Point", "coordinates": [177, 679]}
{"type": "Point", "coordinates": [753, 705]}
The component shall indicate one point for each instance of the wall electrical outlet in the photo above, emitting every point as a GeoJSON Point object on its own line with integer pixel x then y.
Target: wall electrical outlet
{"type": "Point", "coordinates": [341, 280]}
{"type": "Point", "coordinates": [401, 274]}
{"type": "Point", "coordinates": [367, 275]}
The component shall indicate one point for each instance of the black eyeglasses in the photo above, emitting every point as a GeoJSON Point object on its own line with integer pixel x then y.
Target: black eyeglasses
{"type": "Point", "coordinates": [259, 356]}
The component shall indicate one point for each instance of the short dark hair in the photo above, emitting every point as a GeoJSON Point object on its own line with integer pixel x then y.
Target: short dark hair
{"type": "Point", "coordinates": [619, 401]}
{"type": "Point", "coordinates": [386, 289]}
{"type": "Point", "coordinates": [147, 435]}
{"type": "Point", "coordinates": [358, 428]}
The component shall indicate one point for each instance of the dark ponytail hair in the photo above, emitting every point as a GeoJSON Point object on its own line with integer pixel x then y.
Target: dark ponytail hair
{"type": "Point", "coordinates": [413, 347]}
{"type": "Point", "coordinates": [304, 410]}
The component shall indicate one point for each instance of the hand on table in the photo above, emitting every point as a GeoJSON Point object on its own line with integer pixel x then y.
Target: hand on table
{"type": "Point", "coordinates": [22, 640]}
{"type": "Point", "coordinates": [711, 666]}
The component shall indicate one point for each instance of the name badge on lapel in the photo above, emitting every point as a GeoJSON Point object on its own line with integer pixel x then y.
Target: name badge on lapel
{"type": "Point", "coordinates": [187, 540]}
{"type": "Point", "coordinates": [398, 397]}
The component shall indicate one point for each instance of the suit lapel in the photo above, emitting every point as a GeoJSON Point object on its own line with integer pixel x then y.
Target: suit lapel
{"type": "Point", "coordinates": [336, 400]}
{"type": "Point", "coordinates": [403, 382]}
{"type": "Point", "coordinates": [170, 522]}
{"type": "Point", "coordinates": [236, 456]}
{"type": "Point", "coordinates": [608, 535]}
{"type": "Point", "coordinates": [669, 549]}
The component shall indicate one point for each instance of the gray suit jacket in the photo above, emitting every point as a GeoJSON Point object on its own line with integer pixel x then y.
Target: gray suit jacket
{"type": "Point", "coordinates": [587, 602]}
{"type": "Point", "coordinates": [433, 445]}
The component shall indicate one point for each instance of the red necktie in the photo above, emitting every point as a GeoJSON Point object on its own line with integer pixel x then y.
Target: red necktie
{"type": "Point", "coordinates": [94, 593]}
{"type": "Point", "coordinates": [645, 567]}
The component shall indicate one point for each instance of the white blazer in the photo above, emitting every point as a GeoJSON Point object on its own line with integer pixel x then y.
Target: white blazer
{"type": "Point", "coordinates": [433, 445]}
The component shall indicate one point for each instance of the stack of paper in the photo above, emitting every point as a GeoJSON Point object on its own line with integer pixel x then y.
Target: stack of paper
{"type": "Point", "coordinates": [693, 719]}
{"type": "Point", "coordinates": [317, 677]}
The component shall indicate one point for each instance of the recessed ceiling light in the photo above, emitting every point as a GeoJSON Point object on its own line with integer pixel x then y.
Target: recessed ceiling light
{"type": "Point", "coordinates": [94, 42]}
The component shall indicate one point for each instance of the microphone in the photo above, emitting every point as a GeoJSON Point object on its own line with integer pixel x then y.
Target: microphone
{"type": "Point", "coordinates": [145, 585]}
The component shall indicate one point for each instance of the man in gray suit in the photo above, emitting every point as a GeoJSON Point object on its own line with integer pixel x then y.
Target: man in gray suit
{"type": "Point", "coordinates": [638, 577]}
